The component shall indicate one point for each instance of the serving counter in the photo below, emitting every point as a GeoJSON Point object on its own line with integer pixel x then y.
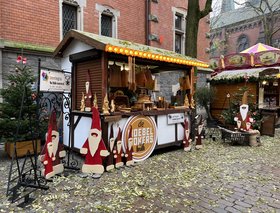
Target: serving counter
{"type": "Point", "coordinates": [150, 129]}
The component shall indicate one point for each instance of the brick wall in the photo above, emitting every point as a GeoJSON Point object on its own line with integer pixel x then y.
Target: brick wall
{"type": "Point", "coordinates": [37, 22]}
{"type": "Point", "coordinates": [29, 21]}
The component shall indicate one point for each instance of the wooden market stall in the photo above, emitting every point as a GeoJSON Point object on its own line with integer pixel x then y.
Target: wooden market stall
{"type": "Point", "coordinates": [259, 72]}
{"type": "Point", "coordinates": [121, 78]}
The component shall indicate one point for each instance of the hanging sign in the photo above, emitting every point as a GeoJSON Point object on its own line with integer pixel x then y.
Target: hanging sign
{"type": "Point", "coordinates": [175, 118]}
{"type": "Point", "coordinates": [55, 81]}
{"type": "Point", "coordinates": [144, 136]}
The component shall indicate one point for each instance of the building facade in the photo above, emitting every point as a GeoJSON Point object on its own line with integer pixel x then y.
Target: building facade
{"type": "Point", "coordinates": [35, 28]}
{"type": "Point", "coordinates": [234, 30]}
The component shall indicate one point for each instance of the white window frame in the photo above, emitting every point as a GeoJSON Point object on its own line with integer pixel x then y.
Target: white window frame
{"type": "Point", "coordinates": [80, 14]}
{"type": "Point", "coordinates": [182, 13]}
{"type": "Point", "coordinates": [101, 8]}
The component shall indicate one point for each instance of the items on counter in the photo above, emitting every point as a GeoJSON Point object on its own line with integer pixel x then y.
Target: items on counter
{"type": "Point", "coordinates": [105, 107]}
{"type": "Point", "coordinates": [82, 107]}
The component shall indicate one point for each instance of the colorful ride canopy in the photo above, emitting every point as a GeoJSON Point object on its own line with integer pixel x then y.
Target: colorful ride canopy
{"type": "Point", "coordinates": [259, 47]}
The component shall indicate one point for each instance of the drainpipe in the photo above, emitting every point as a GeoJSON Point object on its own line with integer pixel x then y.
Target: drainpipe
{"type": "Point", "coordinates": [147, 24]}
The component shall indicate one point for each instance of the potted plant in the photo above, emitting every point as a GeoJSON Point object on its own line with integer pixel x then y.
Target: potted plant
{"type": "Point", "coordinates": [17, 124]}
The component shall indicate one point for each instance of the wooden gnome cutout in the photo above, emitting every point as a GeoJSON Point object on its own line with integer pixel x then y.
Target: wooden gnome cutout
{"type": "Point", "coordinates": [82, 107]}
{"type": "Point", "coordinates": [47, 157]}
{"type": "Point", "coordinates": [129, 149]}
{"type": "Point", "coordinates": [113, 106]}
{"type": "Point", "coordinates": [186, 102]}
{"type": "Point", "coordinates": [88, 95]}
{"type": "Point", "coordinates": [53, 149]}
{"type": "Point", "coordinates": [192, 104]}
{"type": "Point", "coordinates": [243, 118]}
{"type": "Point", "coordinates": [199, 135]}
{"type": "Point", "coordinates": [94, 148]}
{"type": "Point", "coordinates": [105, 107]}
{"type": "Point", "coordinates": [187, 138]}
{"type": "Point", "coordinates": [118, 152]}
{"type": "Point", "coordinates": [111, 145]}
{"type": "Point", "coordinates": [95, 101]}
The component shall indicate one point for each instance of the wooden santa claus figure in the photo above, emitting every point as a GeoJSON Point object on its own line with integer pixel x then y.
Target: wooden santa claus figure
{"type": "Point", "coordinates": [111, 145]}
{"type": "Point", "coordinates": [52, 143]}
{"type": "Point", "coordinates": [243, 118]}
{"type": "Point", "coordinates": [94, 147]}
{"type": "Point", "coordinates": [118, 152]}
{"type": "Point", "coordinates": [47, 158]}
{"type": "Point", "coordinates": [199, 136]}
{"type": "Point", "coordinates": [88, 95]}
{"type": "Point", "coordinates": [129, 149]}
{"type": "Point", "coordinates": [187, 139]}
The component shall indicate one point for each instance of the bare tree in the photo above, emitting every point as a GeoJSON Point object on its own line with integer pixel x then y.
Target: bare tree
{"type": "Point", "coordinates": [192, 24]}
{"type": "Point", "coordinates": [267, 11]}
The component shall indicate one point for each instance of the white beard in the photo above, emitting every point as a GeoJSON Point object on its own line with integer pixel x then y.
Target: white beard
{"type": "Point", "coordinates": [87, 87]}
{"type": "Point", "coordinates": [129, 144]}
{"type": "Point", "coordinates": [119, 146]}
{"type": "Point", "coordinates": [50, 149]}
{"type": "Point", "coordinates": [55, 142]}
{"type": "Point", "coordinates": [244, 112]}
{"type": "Point", "coordinates": [200, 127]}
{"type": "Point", "coordinates": [93, 141]}
{"type": "Point", "coordinates": [187, 132]}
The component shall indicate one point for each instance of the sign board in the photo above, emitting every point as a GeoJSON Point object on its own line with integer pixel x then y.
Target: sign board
{"type": "Point", "coordinates": [237, 60]}
{"type": "Point", "coordinates": [55, 81]}
{"type": "Point", "coordinates": [143, 134]}
{"type": "Point", "coordinates": [267, 57]}
{"type": "Point", "coordinates": [175, 118]}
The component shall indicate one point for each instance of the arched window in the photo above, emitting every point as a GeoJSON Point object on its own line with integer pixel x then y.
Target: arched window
{"type": "Point", "coordinates": [108, 19]}
{"type": "Point", "coordinates": [242, 43]}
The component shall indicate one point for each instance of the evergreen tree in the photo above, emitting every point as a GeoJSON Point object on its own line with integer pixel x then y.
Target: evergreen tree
{"type": "Point", "coordinates": [17, 93]}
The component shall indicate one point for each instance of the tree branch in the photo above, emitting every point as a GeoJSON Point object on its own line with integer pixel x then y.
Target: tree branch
{"type": "Point", "coordinates": [207, 9]}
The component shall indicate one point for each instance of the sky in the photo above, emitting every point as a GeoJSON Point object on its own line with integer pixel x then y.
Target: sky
{"type": "Point", "coordinates": [216, 6]}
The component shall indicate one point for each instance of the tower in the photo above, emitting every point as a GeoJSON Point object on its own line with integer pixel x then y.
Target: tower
{"type": "Point", "coordinates": [227, 5]}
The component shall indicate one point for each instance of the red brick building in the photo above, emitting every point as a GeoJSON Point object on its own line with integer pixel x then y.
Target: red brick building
{"type": "Point", "coordinates": [37, 27]}
{"type": "Point", "coordinates": [236, 29]}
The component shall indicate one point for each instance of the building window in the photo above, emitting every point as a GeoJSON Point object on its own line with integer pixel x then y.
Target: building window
{"type": "Point", "coordinates": [242, 43]}
{"type": "Point", "coordinates": [178, 43]}
{"type": "Point", "coordinates": [69, 17]}
{"type": "Point", "coordinates": [106, 25]}
{"type": "Point", "coordinates": [179, 30]}
{"type": "Point", "coordinates": [108, 20]}
{"type": "Point", "coordinates": [178, 22]}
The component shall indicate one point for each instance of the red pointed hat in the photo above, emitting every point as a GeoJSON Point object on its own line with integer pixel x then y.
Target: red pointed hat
{"type": "Point", "coordinates": [119, 137]}
{"type": "Point", "coordinates": [52, 121]}
{"type": "Point", "coordinates": [186, 124]}
{"type": "Point", "coordinates": [111, 132]}
{"type": "Point", "coordinates": [95, 119]}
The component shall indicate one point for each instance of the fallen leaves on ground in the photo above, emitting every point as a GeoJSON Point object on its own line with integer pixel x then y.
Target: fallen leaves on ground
{"type": "Point", "coordinates": [166, 182]}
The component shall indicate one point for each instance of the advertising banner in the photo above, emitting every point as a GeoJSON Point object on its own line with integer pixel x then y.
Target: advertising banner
{"type": "Point", "coordinates": [143, 131]}
{"type": "Point", "coordinates": [54, 81]}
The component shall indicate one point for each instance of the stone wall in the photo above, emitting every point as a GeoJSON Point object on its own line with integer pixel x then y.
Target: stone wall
{"type": "Point", "coordinates": [9, 61]}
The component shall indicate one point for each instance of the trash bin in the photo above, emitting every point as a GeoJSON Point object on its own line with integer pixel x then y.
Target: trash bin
{"type": "Point", "coordinates": [268, 122]}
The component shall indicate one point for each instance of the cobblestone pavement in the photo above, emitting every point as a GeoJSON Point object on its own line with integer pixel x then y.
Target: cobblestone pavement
{"type": "Point", "coordinates": [218, 178]}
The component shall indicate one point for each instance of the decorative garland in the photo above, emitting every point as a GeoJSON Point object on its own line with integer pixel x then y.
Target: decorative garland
{"type": "Point", "coordinates": [251, 79]}
{"type": "Point", "coordinates": [233, 80]}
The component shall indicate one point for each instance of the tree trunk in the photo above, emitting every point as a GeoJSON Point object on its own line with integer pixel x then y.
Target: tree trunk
{"type": "Point", "coordinates": [192, 22]}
